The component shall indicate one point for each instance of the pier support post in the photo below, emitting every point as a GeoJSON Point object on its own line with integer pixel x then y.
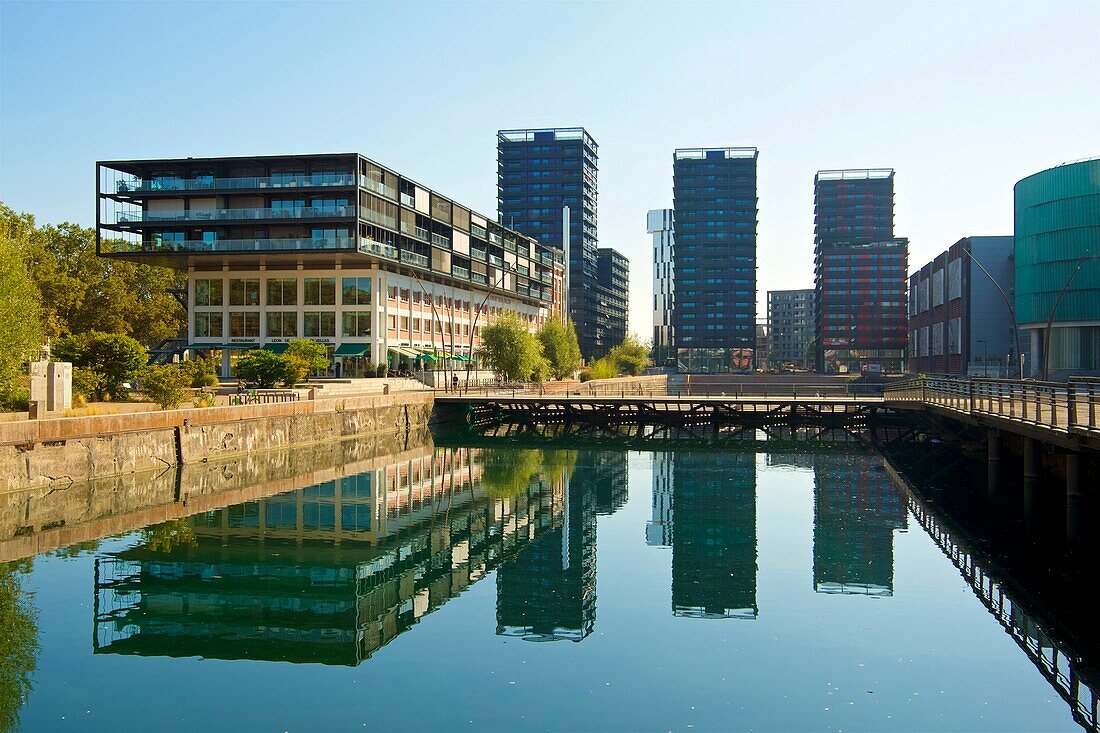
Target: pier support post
{"type": "Point", "coordinates": [1032, 462]}
{"type": "Point", "coordinates": [1074, 499]}
{"type": "Point", "coordinates": [993, 474]}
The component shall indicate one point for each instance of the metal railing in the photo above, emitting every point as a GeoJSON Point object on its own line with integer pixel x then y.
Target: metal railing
{"type": "Point", "coordinates": [297, 212]}
{"type": "Point", "coordinates": [229, 245]}
{"type": "Point", "coordinates": [263, 397]}
{"type": "Point", "coordinates": [213, 184]}
{"type": "Point", "coordinates": [647, 388]}
{"type": "Point", "coordinates": [1069, 407]}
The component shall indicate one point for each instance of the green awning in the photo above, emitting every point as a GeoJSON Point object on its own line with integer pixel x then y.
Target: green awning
{"type": "Point", "coordinates": [241, 347]}
{"type": "Point", "coordinates": [351, 350]}
{"type": "Point", "coordinates": [207, 347]}
{"type": "Point", "coordinates": [427, 357]}
{"type": "Point", "coordinates": [460, 357]}
{"type": "Point", "coordinates": [276, 348]}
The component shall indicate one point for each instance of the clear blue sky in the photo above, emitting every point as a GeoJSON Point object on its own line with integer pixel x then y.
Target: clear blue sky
{"type": "Point", "coordinates": [961, 99]}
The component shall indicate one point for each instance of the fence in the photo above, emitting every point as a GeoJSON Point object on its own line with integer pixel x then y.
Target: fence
{"type": "Point", "coordinates": [1072, 406]}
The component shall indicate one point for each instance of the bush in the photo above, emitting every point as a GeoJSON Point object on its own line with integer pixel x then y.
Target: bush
{"type": "Point", "coordinates": [203, 372]}
{"type": "Point", "coordinates": [264, 369]}
{"type": "Point", "coordinates": [114, 358]}
{"type": "Point", "coordinates": [603, 368]}
{"type": "Point", "coordinates": [382, 370]}
{"type": "Point", "coordinates": [630, 357]}
{"type": "Point", "coordinates": [15, 399]}
{"type": "Point", "coordinates": [165, 384]}
{"type": "Point", "coordinates": [205, 399]}
{"type": "Point", "coordinates": [308, 356]}
{"type": "Point", "coordinates": [85, 383]}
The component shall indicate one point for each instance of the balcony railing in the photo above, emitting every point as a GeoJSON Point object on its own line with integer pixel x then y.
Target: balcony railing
{"type": "Point", "coordinates": [478, 254]}
{"type": "Point", "coordinates": [298, 212]}
{"type": "Point", "coordinates": [138, 185]}
{"type": "Point", "coordinates": [440, 241]}
{"type": "Point", "coordinates": [408, 200]}
{"type": "Point", "coordinates": [378, 187]}
{"type": "Point", "coordinates": [477, 277]}
{"type": "Point", "coordinates": [546, 277]}
{"type": "Point", "coordinates": [460, 272]}
{"type": "Point", "coordinates": [494, 260]}
{"type": "Point", "coordinates": [229, 245]}
{"type": "Point", "coordinates": [381, 249]}
{"type": "Point", "coordinates": [414, 258]}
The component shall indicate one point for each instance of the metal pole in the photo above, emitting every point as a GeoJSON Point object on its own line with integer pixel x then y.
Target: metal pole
{"type": "Point", "coordinates": [1011, 310]}
{"type": "Point", "coordinates": [1050, 318]}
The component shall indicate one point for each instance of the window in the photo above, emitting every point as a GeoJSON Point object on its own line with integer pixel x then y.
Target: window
{"type": "Point", "coordinates": [954, 335]}
{"type": "Point", "coordinates": [319, 324]}
{"type": "Point", "coordinates": [356, 291]}
{"type": "Point", "coordinates": [287, 204]}
{"type": "Point", "coordinates": [208, 292]}
{"type": "Point", "coordinates": [954, 279]}
{"type": "Point", "coordinates": [320, 291]}
{"type": "Point", "coordinates": [282, 324]}
{"type": "Point", "coordinates": [404, 295]}
{"type": "Point", "coordinates": [355, 324]}
{"type": "Point", "coordinates": [937, 287]}
{"type": "Point", "coordinates": [244, 292]}
{"type": "Point", "coordinates": [208, 325]}
{"type": "Point", "coordinates": [282, 291]}
{"type": "Point", "coordinates": [244, 324]}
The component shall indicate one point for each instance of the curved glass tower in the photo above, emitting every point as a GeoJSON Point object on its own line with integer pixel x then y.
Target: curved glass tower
{"type": "Point", "coordinates": [1058, 238]}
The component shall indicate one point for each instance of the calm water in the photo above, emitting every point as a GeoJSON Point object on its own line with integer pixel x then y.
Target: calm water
{"type": "Point", "coordinates": [546, 590]}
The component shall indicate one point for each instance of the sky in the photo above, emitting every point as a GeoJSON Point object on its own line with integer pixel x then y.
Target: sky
{"type": "Point", "coordinates": [961, 99]}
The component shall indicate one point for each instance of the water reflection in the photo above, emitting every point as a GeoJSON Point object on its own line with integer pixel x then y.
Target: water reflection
{"type": "Point", "coordinates": [856, 511]}
{"type": "Point", "coordinates": [328, 573]}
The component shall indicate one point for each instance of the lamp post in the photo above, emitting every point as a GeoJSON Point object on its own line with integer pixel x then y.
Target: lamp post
{"type": "Point", "coordinates": [507, 268]}
{"type": "Point", "coordinates": [1011, 311]}
{"type": "Point", "coordinates": [1057, 302]}
{"type": "Point", "coordinates": [985, 357]}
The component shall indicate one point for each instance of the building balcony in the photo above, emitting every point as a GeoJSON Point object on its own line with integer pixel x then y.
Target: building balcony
{"type": "Point", "coordinates": [170, 184]}
{"type": "Point", "coordinates": [478, 254]}
{"type": "Point", "coordinates": [440, 241]}
{"type": "Point", "coordinates": [300, 212]}
{"type": "Point", "coordinates": [370, 246]}
{"type": "Point", "coordinates": [197, 246]}
{"type": "Point", "coordinates": [460, 272]}
{"type": "Point", "coordinates": [378, 187]}
{"type": "Point", "coordinates": [414, 258]}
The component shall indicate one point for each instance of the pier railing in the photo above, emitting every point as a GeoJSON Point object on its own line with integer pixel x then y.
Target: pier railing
{"type": "Point", "coordinates": [1071, 407]}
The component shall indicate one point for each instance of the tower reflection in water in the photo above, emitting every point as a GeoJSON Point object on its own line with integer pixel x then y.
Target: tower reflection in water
{"type": "Point", "coordinates": [856, 511]}
{"type": "Point", "coordinates": [548, 592]}
{"type": "Point", "coordinates": [704, 508]}
{"type": "Point", "coordinates": [328, 573]}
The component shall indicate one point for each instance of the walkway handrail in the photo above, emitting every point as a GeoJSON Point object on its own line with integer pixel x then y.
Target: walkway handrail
{"type": "Point", "coordinates": [1067, 407]}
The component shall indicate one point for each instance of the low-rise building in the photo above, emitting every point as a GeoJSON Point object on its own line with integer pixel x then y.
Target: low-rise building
{"type": "Point", "coordinates": [335, 248]}
{"type": "Point", "coordinates": [959, 320]}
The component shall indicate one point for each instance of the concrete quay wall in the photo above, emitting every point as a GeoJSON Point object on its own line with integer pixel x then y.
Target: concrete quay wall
{"type": "Point", "coordinates": [45, 452]}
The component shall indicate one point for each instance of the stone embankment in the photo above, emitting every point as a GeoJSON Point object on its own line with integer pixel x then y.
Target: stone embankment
{"type": "Point", "coordinates": [37, 453]}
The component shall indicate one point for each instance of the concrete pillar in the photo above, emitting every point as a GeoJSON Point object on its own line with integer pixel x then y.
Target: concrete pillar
{"type": "Point", "coordinates": [993, 474]}
{"type": "Point", "coordinates": [1032, 465]}
{"type": "Point", "coordinates": [1074, 499]}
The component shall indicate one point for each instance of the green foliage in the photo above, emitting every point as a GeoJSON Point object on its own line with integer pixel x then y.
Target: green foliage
{"type": "Point", "coordinates": [205, 399]}
{"type": "Point", "coordinates": [167, 536]}
{"type": "Point", "coordinates": [264, 369]}
{"type": "Point", "coordinates": [86, 383]}
{"type": "Point", "coordinates": [631, 357]}
{"type": "Point", "coordinates": [507, 472]}
{"type": "Point", "coordinates": [560, 347]}
{"type": "Point", "coordinates": [604, 368]}
{"type": "Point", "coordinates": [82, 292]}
{"type": "Point", "coordinates": [21, 332]}
{"type": "Point", "coordinates": [307, 354]}
{"type": "Point", "coordinates": [557, 463]}
{"type": "Point", "coordinates": [203, 372]}
{"type": "Point", "coordinates": [113, 358]}
{"type": "Point", "coordinates": [510, 350]}
{"type": "Point", "coordinates": [165, 384]}
{"type": "Point", "coordinates": [18, 645]}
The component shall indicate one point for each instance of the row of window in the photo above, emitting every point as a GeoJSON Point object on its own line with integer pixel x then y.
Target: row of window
{"type": "Point", "coordinates": [283, 324]}
{"type": "Point", "coordinates": [210, 292]}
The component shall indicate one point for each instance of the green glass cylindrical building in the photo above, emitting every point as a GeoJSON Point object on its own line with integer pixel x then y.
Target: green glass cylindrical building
{"type": "Point", "coordinates": [1057, 231]}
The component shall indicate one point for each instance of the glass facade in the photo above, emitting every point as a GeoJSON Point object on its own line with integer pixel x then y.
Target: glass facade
{"type": "Point", "coordinates": [715, 208]}
{"type": "Point", "coordinates": [1058, 238]}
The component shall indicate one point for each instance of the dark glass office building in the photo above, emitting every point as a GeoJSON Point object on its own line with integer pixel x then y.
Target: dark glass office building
{"type": "Point", "coordinates": [612, 298]}
{"type": "Point", "coordinates": [715, 206]}
{"type": "Point", "coordinates": [860, 271]}
{"type": "Point", "coordinates": [538, 173]}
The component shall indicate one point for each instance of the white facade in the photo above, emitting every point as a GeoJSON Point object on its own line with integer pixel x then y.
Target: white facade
{"type": "Point", "coordinates": [659, 223]}
{"type": "Point", "coordinates": [390, 316]}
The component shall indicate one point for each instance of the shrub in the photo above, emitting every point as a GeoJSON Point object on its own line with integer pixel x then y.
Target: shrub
{"type": "Point", "coordinates": [15, 399]}
{"type": "Point", "coordinates": [263, 369]}
{"type": "Point", "coordinates": [307, 355]}
{"type": "Point", "coordinates": [114, 358]}
{"type": "Point", "coordinates": [630, 357]}
{"type": "Point", "coordinates": [205, 399]}
{"type": "Point", "coordinates": [203, 372]}
{"type": "Point", "coordinates": [85, 383]}
{"type": "Point", "coordinates": [603, 368]}
{"type": "Point", "coordinates": [165, 384]}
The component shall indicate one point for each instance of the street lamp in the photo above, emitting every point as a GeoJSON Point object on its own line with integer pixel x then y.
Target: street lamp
{"type": "Point", "coordinates": [507, 268]}
{"type": "Point", "coordinates": [1011, 310]}
{"type": "Point", "coordinates": [1057, 302]}
{"type": "Point", "coordinates": [985, 357]}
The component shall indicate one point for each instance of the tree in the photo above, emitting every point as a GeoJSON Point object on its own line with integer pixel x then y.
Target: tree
{"type": "Point", "coordinates": [83, 292]}
{"type": "Point", "coordinates": [306, 357]}
{"type": "Point", "coordinates": [20, 309]}
{"type": "Point", "coordinates": [203, 372]}
{"type": "Point", "coordinates": [18, 645]}
{"type": "Point", "coordinates": [631, 356]}
{"type": "Point", "coordinates": [116, 359]}
{"type": "Point", "coordinates": [165, 537]}
{"type": "Point", "coordinates": [507, 472]}
{"type": "Point", "coordinates": [509, 349]}
{"type": "Point", "coordinates": [560, 347]}
{"type": "Point", "coordinates": [165, 384]}
{"type": "Point", "coordinates": [604, 368]}
{"type": "Point", "coordinates": [264, 369]}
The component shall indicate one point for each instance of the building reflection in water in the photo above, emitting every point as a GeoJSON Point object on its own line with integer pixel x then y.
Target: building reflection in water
{"type": "Point", "coordinates": [704, 508]}
{"type": "Point", "coordinates": [856, 511]}
{"type": "Point", "coordinates": [328, 573]}
{"type": "Point", "coordinates": [548, 592]}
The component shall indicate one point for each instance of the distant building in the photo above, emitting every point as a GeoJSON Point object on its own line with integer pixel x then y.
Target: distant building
{"type": "Point", "coordinates": [860, 272]}
{"type": "Point", "coordinates": [658, 531]}
{"type": "Point", "coordinates": [790, 327]}
{"type": "Point", "coordinates": [1057, 228]}
{"type": "Point", "coordinates": [959, 322]}
{"type": "Point", "coordinates": [659, 223]}
{"type": "Point", "coordinates": [612, 298]}
{"type": "Point", "coordinates": [334, 248]}
{"type": "Point", "coordinates": [539, 172]}
{"type": "Point", "coordinates": [715, 209]}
